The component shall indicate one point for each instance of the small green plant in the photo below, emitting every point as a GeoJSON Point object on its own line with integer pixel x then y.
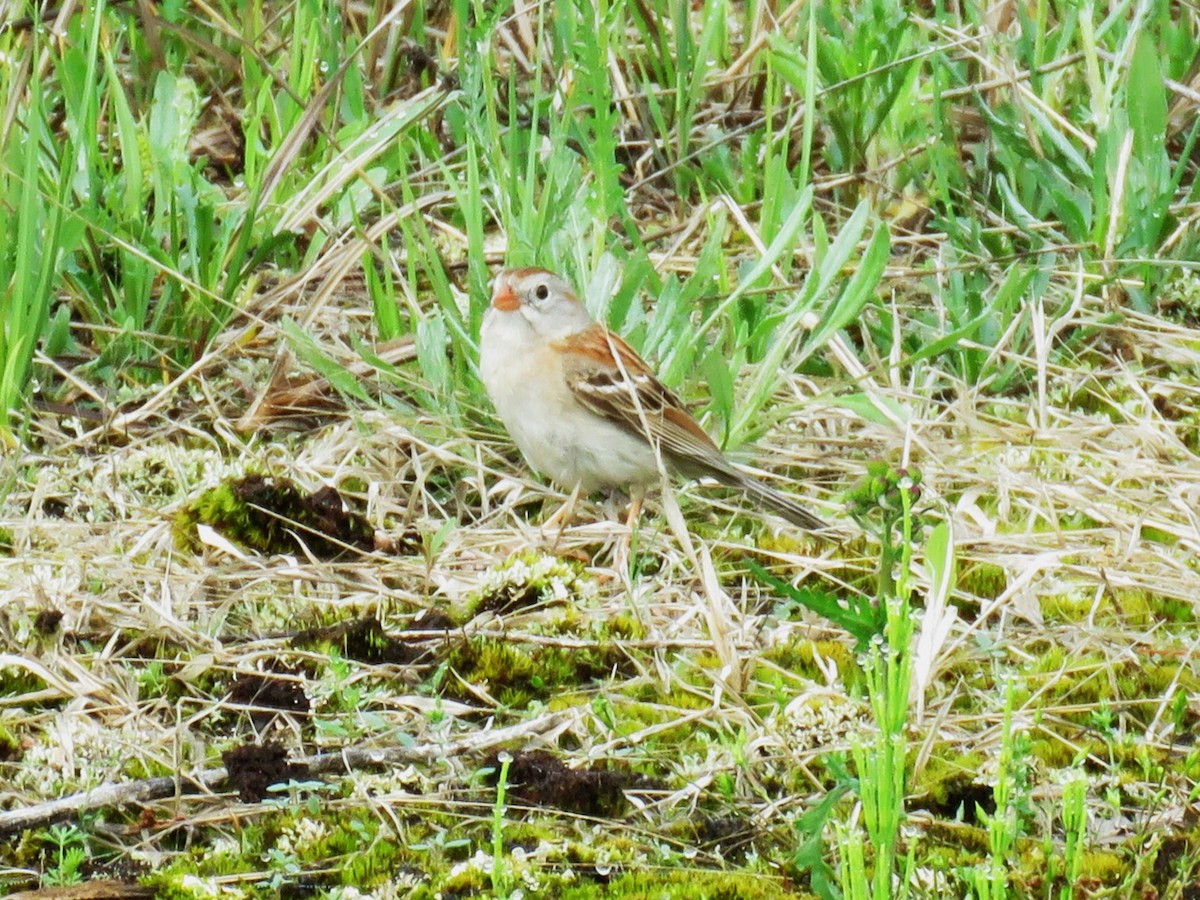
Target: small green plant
{"type": "Point", "coordinates": [881, 760]}
{"type": "Point", "coordinates": [1074, 818]}
{"type": "Point", "coordinates": [990, 880]}
{"type": "Point", "coordinates": [285, 868]}
{"type": "Point", "coordinates": [501, 873]}
{"type": "Point", "coordinates": [858, 614]}
{"type": "Point", "coordinates": [68, 846]}
{"type": "Point", "coordinates": [810, 854]}
{"type": "Point", "coordinates": [884, 629]}
{"type": "Point", "coordinates": [345, 695]}
{"type": "Point", "coordinates": [882, 504]}
{"type": "Point", "coordinates": [440, 846]}
{"type": "Point", "coordinates": [301, 796]}
{"type": "Point", "coordinates": [153, 680]}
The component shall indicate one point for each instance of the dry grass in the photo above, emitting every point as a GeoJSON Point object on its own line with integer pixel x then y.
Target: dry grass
{"type": "Point", "coordinates": [1087, 520]}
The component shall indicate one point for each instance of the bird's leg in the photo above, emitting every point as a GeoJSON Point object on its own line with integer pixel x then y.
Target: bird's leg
{"type": "Point", "coordinates": [636, 496]}
{"type": "Point", "coordinates": [562, 518]}
{"type": "Point", "coordinates": [623, 552]}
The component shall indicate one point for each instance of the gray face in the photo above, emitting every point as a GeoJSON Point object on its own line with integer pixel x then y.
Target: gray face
{"type": "Point", "coordinates": [547, 304]}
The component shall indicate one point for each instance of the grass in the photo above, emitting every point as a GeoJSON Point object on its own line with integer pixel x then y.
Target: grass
{"type": "Point", "coordinates": [931, 268]}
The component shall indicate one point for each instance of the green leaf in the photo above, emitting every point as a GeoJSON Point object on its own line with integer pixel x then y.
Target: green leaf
{"type": "Point", "coordinates": [720, 387]}
{"type": "Point", "coordinates": [1147, 100]}
{"type": "Point", "coordinates": [877, 410]}
{"type": "Point", "coordinates": [784, 241]}
{"type": "Point", "coordinates": [308, 351]}
{"type": "Point", "coordinates": [859, 616]}
{"type": "Point", "coordinates": [939, 559]}
{"type": "Point", "coordinates": [858, 291]}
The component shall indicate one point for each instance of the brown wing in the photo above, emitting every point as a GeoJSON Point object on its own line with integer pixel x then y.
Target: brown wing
{"type": "Point", "coordinates": [611, 380]}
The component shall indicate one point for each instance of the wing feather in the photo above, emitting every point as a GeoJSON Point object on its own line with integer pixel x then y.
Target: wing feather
{"type": "Point", "coordinates": [611, 380]}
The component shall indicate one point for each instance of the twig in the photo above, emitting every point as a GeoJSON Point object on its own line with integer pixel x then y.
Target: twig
{"type": "Point", "coordinates": [348, 760]}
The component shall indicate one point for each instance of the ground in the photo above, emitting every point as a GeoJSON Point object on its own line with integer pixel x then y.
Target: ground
{"type": "Point", "coordinates": [281, 613]}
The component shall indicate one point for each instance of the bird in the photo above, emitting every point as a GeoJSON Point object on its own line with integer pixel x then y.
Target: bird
{"type": "Point", "coordinates": [585, 409]}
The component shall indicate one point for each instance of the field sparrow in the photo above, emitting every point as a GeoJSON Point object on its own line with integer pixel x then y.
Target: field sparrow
{"type": "Point", "coordinates": [584, 408]}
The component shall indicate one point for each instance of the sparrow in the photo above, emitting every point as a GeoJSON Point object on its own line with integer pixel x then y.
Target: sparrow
{"type": "Point", "coordinates": [584, 409]}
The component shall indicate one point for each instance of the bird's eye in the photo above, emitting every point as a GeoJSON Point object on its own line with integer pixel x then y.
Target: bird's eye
{"type": "Point", "coordinates": [542, 292]}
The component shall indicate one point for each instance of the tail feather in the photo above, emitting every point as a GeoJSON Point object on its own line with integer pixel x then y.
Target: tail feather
{"type": "Point", "coordinates": [714, 465]}
{"type": "Point", "coordinates": [781, 503]}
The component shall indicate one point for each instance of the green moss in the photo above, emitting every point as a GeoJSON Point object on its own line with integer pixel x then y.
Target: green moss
{"type": "Point", "coordinates": [362, 639]}
{"type": "Point", "coordinates": [526, 580]}
{"type": "Point", "coordinates": [662, 713]}
{"type": "Point", "coordinates": [782, 541]}
{"type": "Point", "coordinates": [142, 766]}
{"type": "Point", "coordinates": [1128, 607]}
{"type": "Point", "coordinates": [1053, 752]}
{"type": "Point", "coordinates": [685, 884]}
{"type": "Point", "coordinates": [1152, 679]}
{"type": "Point", "coordinates": [366, 862]}
{"type": "Point", "coordinates": [956, 843]}
{"type": "Point", "coordinates": [1068, 521]}
{"type": "Point", "coordinates": [15, 682]}
{"type": "Point", "coordinates": [9, 743]}
{"type": "Point", "coordinates": [201, 862]}
{"type": "Point", "coordinates": [355, 485]}
{"type": "Point", "coordinates": [572, 621]}
{"type": "Point", "coordinates": [169, 886]}
{"type": "Point", "coordinates": [468, 882]}
{"type": "Point", "coordinates": [626, 627]}
{"type": "Point", "coordinates": [223, 509]}
{"type": "Point", "coordinates": [516, 674]}
{"type": "Point", "coordinates": [1027, 873]}
{"type": "Point", "coordinates": [567, 620]}
{"type": "Point", "coordinates": [1134, 607]}
{"type": "Point", "coordinates": [672, 702]}
{"type": "Point", "coordinates": [945, 776]}
{"type": "Point", "coordinates": [984, 580]}
{"type": "Point", "coordinates": [953, 846]}
{"type": "Point", "coordinates": [1095, 397]}
{"type": "Point", "coordinates": [350, 838]}
{"type": "Point", "coordinates": [273, 516]}
{"type": "Point", "coordinates": [1104, 867]}
{"type": "Point", "coordinates": [1074, 608]}
{"type": "Point", "coordinates": [1091, 680]}
{"type": "Point", "coordinates": [155, 684]}
{"type": "Point", "coordinates": [1157, 535]}
{"type": "Point", "coordinates": [800, 654]}
{"type": "Point", "coordinates": [1172, 610]}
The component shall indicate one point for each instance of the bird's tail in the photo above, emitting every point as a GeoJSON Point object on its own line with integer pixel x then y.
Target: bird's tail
{"type": "Point", "coordinates": [781, 503]}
